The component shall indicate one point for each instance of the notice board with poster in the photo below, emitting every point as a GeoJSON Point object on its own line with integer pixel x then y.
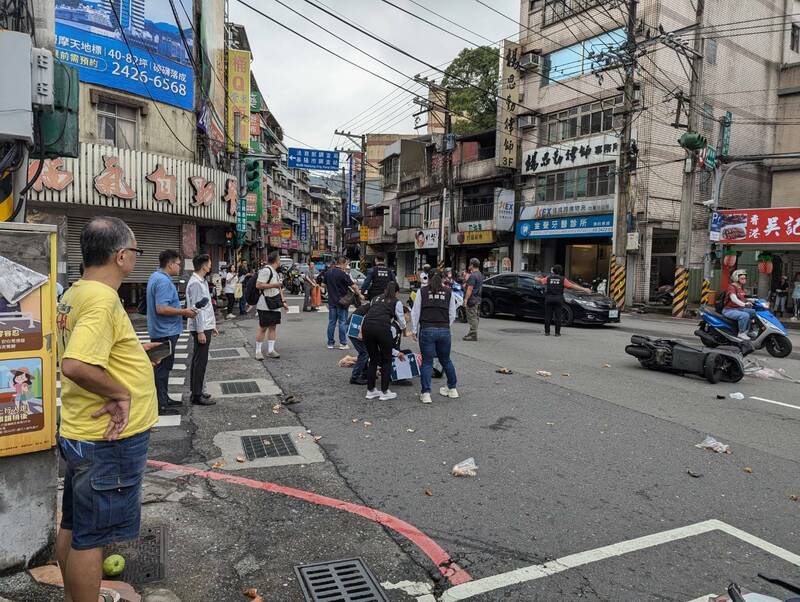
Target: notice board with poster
{"type": "Point", "coordinates": [27, 341]}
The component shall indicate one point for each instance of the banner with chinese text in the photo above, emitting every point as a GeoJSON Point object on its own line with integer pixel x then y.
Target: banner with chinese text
{"type": "Point", "coordinates": [757, 226]}
{"type": "Point", "coordinates": [239, 95]}
{"type": "Point", "coordinates": [506, 142]}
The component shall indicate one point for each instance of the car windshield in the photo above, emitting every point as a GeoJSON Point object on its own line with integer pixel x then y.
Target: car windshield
{"type": "Point", "coordinates": [356, 274]}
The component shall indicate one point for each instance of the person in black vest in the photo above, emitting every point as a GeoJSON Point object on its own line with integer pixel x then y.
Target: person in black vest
{"type": "Point", "coordinates": [431, 318]}
{"type": "Point", "coordinates": [378, 277]}
{"type": "Point", "coordinates": [376, 331]}
{"type": "Point", "coordinates": [554, 285]}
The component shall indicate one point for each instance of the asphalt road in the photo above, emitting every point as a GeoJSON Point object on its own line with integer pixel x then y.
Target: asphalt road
{"type": "Point", "coordinates": [576, 463]}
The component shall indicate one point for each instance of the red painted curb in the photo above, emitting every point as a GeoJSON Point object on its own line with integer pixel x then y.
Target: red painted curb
{"type": "Point", "coordinates": [449, 569]}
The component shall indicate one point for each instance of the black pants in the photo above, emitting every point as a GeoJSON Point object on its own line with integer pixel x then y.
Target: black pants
{"type": "Point", "coordinates": [379, 342]}
{"type": "Point", "coordinates": [553, 306]}
{"type": "Point", "coordinates": [161, 372]}
{"type": "Point", "coordinates": [306, 296]}
{"type": "Point", "coordinates": [197, 370]}
{"type": "Point", "coordinates": [231, 302]}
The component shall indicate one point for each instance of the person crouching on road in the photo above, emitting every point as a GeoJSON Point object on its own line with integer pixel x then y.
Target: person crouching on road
{"type": "Point", "coordinates": [202, 326]}
{"type": "Point", "coordinates": [359, 374]}
{"type": "Point", "coordinates": [431, 318]}
{"type": "Point", "coordinates": [554, 285]}
{"type": "Point", "coordinates": [269, 306]}
{"type": "Point", "coordinates": [378, 339]}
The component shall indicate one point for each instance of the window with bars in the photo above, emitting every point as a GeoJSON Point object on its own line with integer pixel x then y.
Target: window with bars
{"type": "Point", "coordinates": [116, 125]}
{"type": "Point", "coordinates": [585, 182]}
{"type": "Point", "coordinates": [591, 118]}
{"type": "Point", "coordinates": [794, 41]}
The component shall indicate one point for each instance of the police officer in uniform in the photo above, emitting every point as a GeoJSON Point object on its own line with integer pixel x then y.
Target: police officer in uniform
{"type": "Point", "coordinates": [554, 285]}
{"type": "Point", "coordinates": [378, 277]}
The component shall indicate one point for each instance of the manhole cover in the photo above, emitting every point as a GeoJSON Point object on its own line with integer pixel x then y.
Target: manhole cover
{"type": "Point", "coordinates": [339, 581]}
{"type": "Point", "coordinates": [238, 387]}
{"type": "Point", "coordinates": [222, 353]}
{"type": "Point", "coordinates": [146, 557]}
{"type": "Point", "coordinates": [517, 330]}
{"type": "Point", "coordinates": [268, 446]}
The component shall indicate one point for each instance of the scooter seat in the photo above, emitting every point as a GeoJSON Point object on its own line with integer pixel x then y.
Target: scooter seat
{"type": "Point", "coordinates": [720, 316]}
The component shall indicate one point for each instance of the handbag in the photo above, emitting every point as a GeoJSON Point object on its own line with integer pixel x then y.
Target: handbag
{"type": "Point", "coordinates": [347, 300]}
{"type": "Point", "coordinates": [274, 302]}
{"type": "Point", "coordinates": [238, 291]}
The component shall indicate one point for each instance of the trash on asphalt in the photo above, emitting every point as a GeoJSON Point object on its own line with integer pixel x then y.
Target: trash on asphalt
{"type": "Point", "coordinates": [606, 365]}
{"type": "Point", "coordinates": [736, 395]}
{"type": "Point", "coordinates": [428, 492]}
{"type": "Point", "coordinates": [276, 409]}
{"type": "Point", "coordinates": [219, 464]}
{"type": "Point", "coordinates": [348, 361]}
{"type": "Point", "coordinates": [693, 474]}
{"type": "Point", "coordinates": [565, 374]}
{"type": "Point", "coordinates": [410, 430]}
{"type": "Point", "coordinates": [504, 371]}
{"type": "Point", "coordinates": [367, 423]}
{"type": "Point", "coordinates": [712, 444]}
{"type": "Point", "coordinates": [252, 593]}
{"type": "Point", "coordinates": [241, 459]}
{"type": "Point", "coordinates": [720, 397]}
{"type": "Point", "coordinates": [794, 498]}
{"type": "Point", "coordinates": [317, 437]}
{"type": "Point", "coordinates": [465, 468]}
{"type": "Point", "coordinates": [290, 399]}
{"type": "Point", "coordinates": [544, 373]}
{"type": "Point", "coordinates": [748, 470]}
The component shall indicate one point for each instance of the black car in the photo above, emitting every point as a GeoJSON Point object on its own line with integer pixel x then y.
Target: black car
{"type": "Point", "coordinates": [521, 295]}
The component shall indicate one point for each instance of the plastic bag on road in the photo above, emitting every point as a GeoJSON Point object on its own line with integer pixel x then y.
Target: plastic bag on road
{"type": "Point", "coordinates": [465, 468]}
{"type": "Point", "coordinates": [348, 361]}
{"type": "Point", "coordinates": [712, 444]}
{"type": "Point", "coordinates": [736, 395]}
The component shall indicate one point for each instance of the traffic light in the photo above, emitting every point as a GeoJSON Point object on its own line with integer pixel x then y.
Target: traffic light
{"type": "Point", "coordinates": [692, 141]}
{"type": "Point", "coordinates": [253, 175]}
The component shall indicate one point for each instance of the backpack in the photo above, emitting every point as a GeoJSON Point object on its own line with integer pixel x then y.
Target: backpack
{"type": "Point", "coordinates": [251, 293]}
{"type": "Point", "coordinates": [722, 299]}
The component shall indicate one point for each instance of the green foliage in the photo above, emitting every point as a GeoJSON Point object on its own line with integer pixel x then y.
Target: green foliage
{"type": "Point", "coordinates": [473, 110]}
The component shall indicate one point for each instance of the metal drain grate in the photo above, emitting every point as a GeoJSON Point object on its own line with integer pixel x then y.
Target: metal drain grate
{"type": "Point", "coordinates": [339, 581]}
{"type": "Point", "coordinates": [223, 353]}
{"type": "Point", "coordinates": [268, 446]}
{"type": "Point", "coordinates": [237, 387]}
{"type": "Point", "coordinates": [146, 557]}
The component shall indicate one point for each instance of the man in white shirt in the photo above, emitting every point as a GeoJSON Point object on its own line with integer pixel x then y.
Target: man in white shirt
{"type": "Point", "coordinates": [202, 326]}
{"type": "Point", "coordinates": [269, 306]}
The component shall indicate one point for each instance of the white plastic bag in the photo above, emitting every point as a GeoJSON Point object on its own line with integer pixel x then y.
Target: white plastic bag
{"type": "Point", "coordinates": [712, 444]}
{"type": "Point", "coordinates": [465, 468]}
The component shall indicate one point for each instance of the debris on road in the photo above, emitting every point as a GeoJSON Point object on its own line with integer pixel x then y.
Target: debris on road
{"type": "Point", "coordinates": [410, 430]}
{"type": "Point", "coordinates": [276, 409]}
{"type": "Point", "coordinates": [565, 374]}
{"type": "Point", "coordinates": [504, 371]}
{"type": "Point", "coordinates": [465, 468]}
{"type": "Point", "coordinates": [367, 423]}
{"type": "Point", "coordinates": [794, 498]}
{"type": "Point", "coordinates": [348, 361]}
{"type": "Point", "coordinates": [219, 464]}
{"type": "Point", "coordinates": [736, 395]}
{"type": "Point", "coordinates": [290, 399]}
{"type": "Point", "coordinates": [712, 444]}
{"type": "Point", "coordinates": [748, 470]}
{"type": "Point", "coordinates": [301, 435]}
{"type": "Point", "coordinates": [428, 492]}
{"type": "Point", "coordinates": [606, 365]}
{"type": "Point", "coordinates": [694, 475]}
{"type": "Point", "coordinates": [355, 420]}
{"type": "Point", "coordinates": [720, 397]}
{"type": "Point", "coordinates": [241, 459]}
{"type": "Point", "coordinates": [317, 438]}
{"type": "Point", "coordinates": [252, 593]}
{"type": "Point", "coordinates": [544, 373]}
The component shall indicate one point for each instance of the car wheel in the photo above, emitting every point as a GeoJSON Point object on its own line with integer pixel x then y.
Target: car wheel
{"type": "Point", "coordinates": [567, 316]}
{"type": "Point", "coordinates": [487, 308]}
{"type": "Point", "coordinates": [778, 345]}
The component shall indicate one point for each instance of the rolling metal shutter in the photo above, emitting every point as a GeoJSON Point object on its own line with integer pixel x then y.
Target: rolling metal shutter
{"type": "Point", "coordinates": [151, 238]}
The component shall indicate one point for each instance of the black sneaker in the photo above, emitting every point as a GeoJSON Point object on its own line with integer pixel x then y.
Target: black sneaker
{"type": "Point", "coordinates": [205, 395]}
{"type": "Point", "coordinates": [174, 404]}
{"type": "Point", "coordinates": [547, 334]}
{"type": "Point", "coordinates": [168, 412]}
{"type": "Point", "coordinates": [203, 402]}
{"type": "Point", "coordinates": [358, 381]}
{"type": "Point", "coordinates": [558, 334]}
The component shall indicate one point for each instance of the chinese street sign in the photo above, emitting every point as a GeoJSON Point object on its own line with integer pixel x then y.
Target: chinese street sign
{"type": "Point", "coordinates": [759, 226]}
{"type": "Point", "coordinates": [241, 216]}
{"type": "Point", "coordinates": [507, 103]}
{"type": "Point", "coordinates": [363, 234]}
{"type": "Point", "coordinates": [583, 152]}
{"type": "Point", "coordinates": [304, 226]}
{"type": "Point", "coordinates": [304, 158]}
{"type": "Point", "coordinates": [566, 227]}
{"type": "Point", "coordinates": [239, 95]}
{"type": "Point", "coordinates": [354, 184]}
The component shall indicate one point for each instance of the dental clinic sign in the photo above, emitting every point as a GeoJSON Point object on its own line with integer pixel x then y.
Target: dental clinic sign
{"type": "Point", "coordinates": [580, 153]}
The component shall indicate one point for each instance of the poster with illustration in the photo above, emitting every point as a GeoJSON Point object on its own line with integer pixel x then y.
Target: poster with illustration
{"type": "Point", "coordinates": [21, 401]}
{"type": "Point", "coordinates": [20, 306]}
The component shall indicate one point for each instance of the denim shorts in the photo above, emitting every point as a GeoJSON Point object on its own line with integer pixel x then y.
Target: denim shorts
{"type": "Point", "coordinates": [103, 489]}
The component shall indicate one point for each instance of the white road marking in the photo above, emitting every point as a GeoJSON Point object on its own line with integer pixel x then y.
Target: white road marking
{"type": "Point", "coordinates": [705, 598]}
{"type": "Point", "coordinates": [532, 573]}
{"type": "Point", "coordinates": [179, 366]}
{"type": "Point", "coordinates": [180, 347]}
{"type": "Point", "coordinates": [169, 420]}
{"type": "Point", "coordinates": [176, 380]}
{"type": "Point", "coordinates": [294, 309]}
{"type": "Point", "coordinates": [777, 403]}
{"type": "Point", "coordinates": [58, 402]}
{"type": "Point", "coordinates": [181, 356]}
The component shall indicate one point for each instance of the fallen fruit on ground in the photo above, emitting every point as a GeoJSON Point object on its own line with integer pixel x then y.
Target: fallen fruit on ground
{"type": "Point", "coordinates": [113, 565]}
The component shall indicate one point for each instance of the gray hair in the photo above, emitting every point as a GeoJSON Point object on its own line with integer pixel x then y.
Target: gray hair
{"type": "Point", "coordinates": [101, 238]}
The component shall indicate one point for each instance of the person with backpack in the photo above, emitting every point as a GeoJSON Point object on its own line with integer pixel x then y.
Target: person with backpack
{"type": "Point", "coordinates": [165, 321]}
{"type": "Point", "coordinates": [377, 333]}
{"type": "Point", "coordinates": [554, 285]}
{"type": "Point", "coordinates": [342, 292]}
{"type": "Point", "coordinates": [378, 277]}
{"type": "Point", "coordinates": [269, 305]}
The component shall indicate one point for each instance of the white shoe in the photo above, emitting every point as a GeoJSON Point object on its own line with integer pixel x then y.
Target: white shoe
{"type": "Point", "coordinates": [744, 336]}
{"type": "Point", "coordinates": [425, 398]}
{"type": "Point", "coordinates": [259, 356]}
{"type": "Point", "coordinates": [331, 346]}
{"type": "Point", "coordinates": [374, 394]}
{"type": "Point", "coordinates": [344, 346]}
{"type": "Point", "coordinates": [230, 316]}
{"type": "Point", "coordinates": [388, 395]}
{"type": "Point", "coordinates": [447, 392]}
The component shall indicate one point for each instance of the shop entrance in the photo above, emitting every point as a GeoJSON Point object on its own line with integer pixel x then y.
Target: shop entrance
{"type": "Point", "coordinates": [587, 261]}
{"type": "Point", "coordinates": [663, 259]}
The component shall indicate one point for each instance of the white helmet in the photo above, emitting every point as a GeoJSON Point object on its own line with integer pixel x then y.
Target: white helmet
{"type": "Point", "coordinates": [737, 273]}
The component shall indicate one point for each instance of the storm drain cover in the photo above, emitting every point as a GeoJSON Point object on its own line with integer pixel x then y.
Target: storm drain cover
{"type": "Point", "coordinates": [223, 353]}
{"type": "Point", "coordinates": [238, 387]}
{"type": "Point", "coordinates": [339, 581]}
{"type": "Point", "coordinates": [146, 557]}
{"type": "Point", "coordinates": [268, 446]}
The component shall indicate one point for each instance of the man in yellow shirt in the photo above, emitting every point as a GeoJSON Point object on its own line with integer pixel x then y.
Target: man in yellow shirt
{"type": "Point", "coordinates": [108, 405]}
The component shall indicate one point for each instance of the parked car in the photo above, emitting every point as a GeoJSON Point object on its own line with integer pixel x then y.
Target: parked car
{"type": "Point", "coordinates": [521, 295]}
{"type": "Point", "coordinates": [358, 276]}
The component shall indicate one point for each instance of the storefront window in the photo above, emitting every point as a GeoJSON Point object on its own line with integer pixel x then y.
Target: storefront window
{"type": "Point", "coordinates": [580, 183]}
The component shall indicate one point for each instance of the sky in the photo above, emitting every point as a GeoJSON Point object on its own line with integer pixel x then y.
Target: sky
{"type": "Point", "coordinates": [311, 92]}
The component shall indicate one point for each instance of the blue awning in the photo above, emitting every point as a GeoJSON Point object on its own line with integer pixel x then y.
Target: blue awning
{"type": "Point", "coordinates": [566, 227]}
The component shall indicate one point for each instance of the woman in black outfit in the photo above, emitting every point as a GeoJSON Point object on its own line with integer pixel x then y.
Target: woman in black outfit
{"type": "Point", "coordinates": [377, 334]}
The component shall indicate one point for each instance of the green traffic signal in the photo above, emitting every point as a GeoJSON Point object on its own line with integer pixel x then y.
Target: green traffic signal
{"type": "Point", "coordinates": [692, 141]}
{"type": "Point", "coordinates": [253, 175]}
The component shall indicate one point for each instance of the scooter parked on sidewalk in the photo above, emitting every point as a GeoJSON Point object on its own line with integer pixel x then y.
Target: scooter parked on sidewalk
{"type": "Point", "coordinates": [716, 329]}
{"type": "Point", "coordinates": [664, 295]}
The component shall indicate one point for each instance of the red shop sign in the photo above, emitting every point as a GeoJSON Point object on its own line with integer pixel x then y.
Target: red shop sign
{"type": "Point", "coordinates": [759, 226]}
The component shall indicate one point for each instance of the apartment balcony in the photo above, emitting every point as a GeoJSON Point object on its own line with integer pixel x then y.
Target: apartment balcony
{"type": "Point", "coordinates": [476, 170]}
{"type": "Point", "coordinates": [482, 212]}
{"type": "Point", "coordinates": [288, 214]}
{"type": "Point", "coordinates": [378, 236]}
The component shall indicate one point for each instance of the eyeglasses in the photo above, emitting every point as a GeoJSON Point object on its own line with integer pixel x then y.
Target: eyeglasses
{"type": "Point", "coordinates": [138, 252]}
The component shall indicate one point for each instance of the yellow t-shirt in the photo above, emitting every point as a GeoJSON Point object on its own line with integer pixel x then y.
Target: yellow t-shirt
{"type": "Point", "coordinates": [94, 328]}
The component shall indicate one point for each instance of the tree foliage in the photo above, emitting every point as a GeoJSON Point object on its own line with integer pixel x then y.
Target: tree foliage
{"type": "Point", "coordinates": [473, 110]}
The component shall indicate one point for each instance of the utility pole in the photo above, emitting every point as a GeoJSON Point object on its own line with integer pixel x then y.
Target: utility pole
{"type": "Point", "coordinates": [362, 142]}
{"type": "Point", "coordinates": [681, 285]}
{"type": "Point", "coordinates": [237, 170]}
{"type": "Point", "coordinates": [345, 214]}
{"type": "Point", "coordinates": [626, 164]}
{"type": "Point", "coordinates": [722, 144]}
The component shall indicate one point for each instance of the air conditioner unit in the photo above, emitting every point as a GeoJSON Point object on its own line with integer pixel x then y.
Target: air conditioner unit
{"type": "Point", "coordinates": [526, 122]}
{"type": "Point", "coordinates": [530, 61]}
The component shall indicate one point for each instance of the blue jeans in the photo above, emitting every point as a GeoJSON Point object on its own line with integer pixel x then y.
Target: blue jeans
{"type": "Point", "coordinates": [742, 316]}
{"type": "Point", "coordinates": [435, 342]}
{"type": "Point", "coordinates": [161, 372]}
{"type": "Point", "coordinates": [103, 489]}
{"type": "Point", "coordinates": [360, 367]}
{"type": "Point", "coordinates": [341, 314]}
{"type": "Point", "coordinates": [242, 305]}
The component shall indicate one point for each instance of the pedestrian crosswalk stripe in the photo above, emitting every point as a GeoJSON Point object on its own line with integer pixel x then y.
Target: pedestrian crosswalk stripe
{"type": "Point", "coordinates": [294, 309]}
{"type": "Point", "coordinates": [169, 420]}
{"type": "Point", "coordinates": [181, 356]}
{"type": "Point", "coordinates": [176, 380]}
{"type": "Point", "coordinates": [179, 366]}
{"type": "Point", "coordinates": [179, 347]}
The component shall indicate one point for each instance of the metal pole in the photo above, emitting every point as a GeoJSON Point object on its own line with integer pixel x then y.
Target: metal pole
{"type": "Point", "coordinates": [237, 167]}
{"type": "Point", "coordinates": [345, 221]}
{"type": "Point", "coordinates": [363, 188]}
{"type": "Point", "coordinates": [447, 194]}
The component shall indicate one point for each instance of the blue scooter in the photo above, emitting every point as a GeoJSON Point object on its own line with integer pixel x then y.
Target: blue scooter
{"type": "Point", "coordinates": [717, 329]}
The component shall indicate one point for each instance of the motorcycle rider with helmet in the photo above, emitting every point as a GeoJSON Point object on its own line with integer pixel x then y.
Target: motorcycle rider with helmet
{"type": "Point", "coordinates": [737, 307]}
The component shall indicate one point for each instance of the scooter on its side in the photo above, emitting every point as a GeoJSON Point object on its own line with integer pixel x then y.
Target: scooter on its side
{"type": "Point", "coordinates": [716, 329]}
